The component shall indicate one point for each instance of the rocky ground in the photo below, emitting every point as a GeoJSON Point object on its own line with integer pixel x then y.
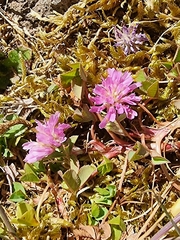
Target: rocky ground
{"type": "Point", "coordinates": [20, 10]}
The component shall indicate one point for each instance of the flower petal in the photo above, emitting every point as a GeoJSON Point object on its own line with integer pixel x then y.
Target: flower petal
{"type": "Point", "coordinates": [49, 136]}
{"type": "Point", "coordinates": [114, 96]}
{"type": "Point", "coordinates": [37, 151]}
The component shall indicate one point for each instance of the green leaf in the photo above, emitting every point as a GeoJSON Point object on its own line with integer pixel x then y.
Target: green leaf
{"type": "Point", "coordinates": [2, 232]}
{"type": "Point", "coordinates": [104, 195]}
{"type": "Point", "coordinates": [25, 215]}
{"type": "Point", "coordinates": [140, 76]}
{"type": "Point", "coordinates": [95, 210]}
{"type": "Point", "coordinates": [105, 167]}
{"type": "Point", "coordinates": [75, 66]}
{"type": "Point", "coordinates": [109, 191]}
{"type": "Point", "coordinates": [17, 196]}
{"type": "Point", "coordinates": [39, 166]}
{"type": "Point", "coordinates": [112, 190]}
{"type": "Point", "coordinates": [15, 131]}
{"type": "Point", "coordinates": [101, 191]}
{"type": "Point", "coordinates": [19, 193]}
{"type": "Point", "coordinates": [52, 88]}
{"type": "Point", "coordinates": [150, 86]}
{"type": "Point", "coordinates": [102, 213]}
{"type": "Point", "coordinates": [145, 85]}
{"type": "Point", "coordinates": [6, 69]}
{"type": "Point", "coordinates": [117, 226]}
{"type": "Point", "coordinates": [30, 174]}
{"type": "Point", "coordinates": [56, 166]}
{"type": "Point", "coordinates": [177, 56]}
{"type": "Point", "coordinates": [85, 172]}
{"type": "Point", "coordinates": [18, 186]}
{"type": "Point", "coordinates": [98, 212]}
{"type": "Point", "coordinates": [7, 153]}
{"type": "Point", "coordinates": [138, 152]}
{"type": "Point", "coordinates": [157, 160]}
{"type": "Point", "coordinates": [74, 164]}
{"type": "Point", "coordinates": [102, 200]}
{"type": "Point", "coordinates": [116, 232]}
{"type": "Point", "coordinates": [2, 55]}
{"type": "Point", "coordinates": [11, 117]}
{"type": "Point", "coordinates": [119, 222]}
{"type": "Point", "coordinates": [74, 138]}
{"type": "Point", "coordinates": [14, 56]}
{"type": "Point", "coordinates": [26, 53]}
{"type": "Point", "coordinates": [18, 57]}
{"type": "Point", "coordinates": [5, 64]}
{"type": "Point", "coordinates": [29, 168]}
{"type": "Point", "coordinates": [114, 126]}
{"type": "Point", "coordinates": [167, 65]}
{"type": "Point", "coordinates": [72, 180]}
{"type": "Point", "coordinates": [91, 220]}
{"type": "Point", "coordinates": [174, 72]}
{"type": "Point", "coordinates": [30, 177]}
{"type": "Point", "coordinates": [66, 78]}
{"type": "Point", "coordinates": [5, 80]}
{"type": "Point", "coordinates": [153, 89]}
{"type": "Point", "coordinates": [75, 79]}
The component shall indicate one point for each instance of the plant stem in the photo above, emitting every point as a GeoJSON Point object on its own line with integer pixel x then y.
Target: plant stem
{"type": "Point", "coordinates": [7, 222]}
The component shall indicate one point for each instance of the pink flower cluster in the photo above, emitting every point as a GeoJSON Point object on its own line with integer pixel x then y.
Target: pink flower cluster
{"type": "Point", "coordinates": [49, 136]}
{"type": "Point", "coordinates": [115, 96]}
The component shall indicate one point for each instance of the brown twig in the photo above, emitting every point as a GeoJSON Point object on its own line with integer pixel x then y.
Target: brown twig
{"type": "Point", "coordinates": [143, 229]}
{"type": "Point", "coordinates": [149, 113]}
{"type": "Point", "coordinates": [166, 228]}
{"type": "Point", "coordinates": [7, 222]}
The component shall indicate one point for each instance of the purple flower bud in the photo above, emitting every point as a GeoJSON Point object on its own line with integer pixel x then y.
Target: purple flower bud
{"type": "Point", "coordinates": [128, 39]}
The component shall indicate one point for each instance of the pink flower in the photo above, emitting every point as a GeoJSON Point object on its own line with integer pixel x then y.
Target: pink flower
{"type": "Point", "coordinates": [37, 151]}
{"type": "Point", "coordinates": [115, 96]}
{"type": "Point", "coordinates": [49, 136]}
{"type": "Point", "coordinates": [128, 39]}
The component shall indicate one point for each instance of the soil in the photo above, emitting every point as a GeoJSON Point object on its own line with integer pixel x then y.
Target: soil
{"type": "Point", "coordinates": [19, 10]}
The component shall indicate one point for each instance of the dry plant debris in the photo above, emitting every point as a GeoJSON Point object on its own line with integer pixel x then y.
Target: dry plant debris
{"type": "Point", "coordinates": [89, 119]}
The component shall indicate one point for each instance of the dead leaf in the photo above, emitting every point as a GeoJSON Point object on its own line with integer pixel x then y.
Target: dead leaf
{"type": "Point", "coordinates": [82, 235]}
{"type": "Point", "coordinates": [11, 174]}
{"type": "Point", "coordinates": [100, 232]}
{"type": "Point", "coordinates": [89, 230]}
{"type": "Point", "coordinates": [106, 229]}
